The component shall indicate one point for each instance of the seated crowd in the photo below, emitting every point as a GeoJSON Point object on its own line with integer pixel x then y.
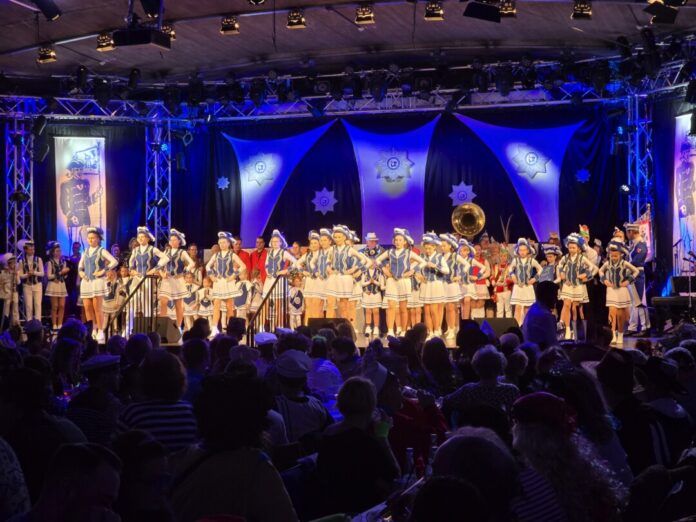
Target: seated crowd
{"type": "Point", "coordinates": [501, 429]}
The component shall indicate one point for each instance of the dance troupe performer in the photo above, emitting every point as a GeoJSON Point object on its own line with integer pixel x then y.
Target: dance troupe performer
{"type": "Point", "coordinates": [575, 270]}
{"type": "Point", "coordinates": [397, 266]}
{"type": "Point", "coordinates": [143, 262]}
{"type": "Point", "coordinates": [456, 264]}
{"type": "Point", "coordinates": [523, 272]}
{"type": "Point", "coordinates": [171, 269]}
{"type": "Point", "coordinates": [432, 287]}
{"type": "Point", "coordinates": [224, 268]}
{"type": "Point", "coordinates": [278, 261]}
{"type": "Point", "coordinates": [373, 285]}
{"type": "Point", "coordinates": [94, 264]}
{"type": "Point", "coordinates": [343, 263]}
{"type": "Point", "coordinates": [56, 270]}
{"type": "Point", "coordinates": [617, 274]}
{"type": "Point", "coordinates": [472, 270]}
{"type": "Point", "coordinates": [639, 323]}
{"type": "Point", "coordinates": [31, 272]}
{"type": "Point", "coordinates": [313, 265]}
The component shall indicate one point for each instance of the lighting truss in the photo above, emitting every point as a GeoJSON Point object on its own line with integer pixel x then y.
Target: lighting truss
{"type": "Point", "coordinates": [640, 157]}
{"type": "Point", "coordinates": [19, 176]}
{"type": "Point", "coordinates": [158, 179]}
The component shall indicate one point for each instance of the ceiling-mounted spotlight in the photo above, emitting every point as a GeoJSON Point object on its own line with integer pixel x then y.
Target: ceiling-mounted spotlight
{"type": "Point", "coordinates": [81, 77]}
{"type": "Point", "coordinates": [47, 54]}
{"type": "Point", "coordinates": [229, 25]}
{"type": "Point", "coordinates": [365, 14]}
{"type": "Point", "coordinates": [49, 9]}
{"type": "Point", "coordinates": [256, 2]}
{"type": "Point", "coordinates": [105, 42]}
{"type": "Point", "coordinates": [168, 29]}
{"type": "Point", "coordinates": [434, 11]}
{"type": "Point", "coordinates": [153, 8]}
{"type": "Point", "coordinates": [508, 9]}
{"type": "Point", "coordinates": [296, 19]}
{"type": "Point", "coordinates": [101, 91]}
{"type": "Point", "coordinates": [662, 14]}
{"type": "Point", "coordinates": [133, 78]}
{"type": "Point", "coordinates": [483, 10]}
{"type": "Point", "coordinates": [582, 10]}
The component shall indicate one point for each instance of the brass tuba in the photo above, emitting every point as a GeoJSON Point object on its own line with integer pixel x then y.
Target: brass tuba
{"type": "Point", "coordinates": [468, 219]}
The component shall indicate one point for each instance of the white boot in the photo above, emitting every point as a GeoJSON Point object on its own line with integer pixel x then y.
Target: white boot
{"type": "Point", "coordinates": [213, 332]}
{"type": "Point", "coordinates": [619, 338]}
{"type": "Point", "coordinates": [438, 333]}
{"type": "Point", "coordinates": [368, 331]}
{"type": "Point", "coordinates": [100, 336]}
{"type": "Point", "coordinates": [390, 333]}
{"type": "Point", "coordinates": [569, 333]}
{"type": "Point", "coordinates": [613, 339]}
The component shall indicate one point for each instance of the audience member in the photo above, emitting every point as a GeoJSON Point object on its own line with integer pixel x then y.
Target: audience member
{"type": "Point", "coordinates": [137, 347]}
{"type": "Point", "coordinates": [686, 376]}
{"type": "Point", "coordinates": [162, 413]}
{"type": "Point", "coordinates": [449, 499]}
{"type": "Point", "coordinates": [116, 345]}
{"type": "Point", "coordinates": [220, 347]}
{"type": "Point", "coordinates": [34, 345]}
{"type": "Point", "coordinates": [438, 365]}
{"type": "Point", "coordinates": [516, 367]}
{"type": "Point", "coordinates": [196, 359]}
{"type": "Point", "coordinates": [265, 342]}
{"type": "Point", "coordinates": [344, 354]}
{"type": "Point", "coordinates": [200, 329]}
{"type": "Point", "coordinates": [236, 327]}
{"type": "Point", "coordinates": [155, 339]}
{"type": "Point", "coordinates": [228, 474]}
{"type": "Point", "coordinates": [323, 379]}
{"type": "Point", "coordinates": [65, 363]}
{"type": "Point", "coordinates": [14, 496]}
{"type": "Point", "coordinates": [540, 324]}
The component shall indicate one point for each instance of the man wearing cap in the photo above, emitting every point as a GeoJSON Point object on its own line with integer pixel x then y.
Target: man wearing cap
{"type": "Point", "coordinates": [639, 321]}
{"type": "Point", "coordinates": [31, 272]}
{"type": "Point", "coordinates": [372, 248]}
{"type": "Point", "coordinates": [304, 415]}
{"type": "Point", "coordinates": [96, 409]}
{"type": "Point", "coordinates": [9, 279]}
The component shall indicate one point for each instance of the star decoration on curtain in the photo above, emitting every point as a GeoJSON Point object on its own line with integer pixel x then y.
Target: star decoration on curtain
{"type": "Point", "coordinates": [394, 165]}
{"type": "Point", "coordinates": [582, 176]}
{"type": "Point", "coordinates": [462, 193]}
{"type": "Point", "coordinates": [530, 162]}
{"type": "Point", "coordinates": [324, 201]}
{"type": "Point", "coordinates": [223, 183]}
{"type": "Point", "coordinates": [260, 168]}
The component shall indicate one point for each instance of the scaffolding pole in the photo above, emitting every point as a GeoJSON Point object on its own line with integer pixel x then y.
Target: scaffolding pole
{"type": "Point", "coordinates": [158, 179]}
{"type": "Point", "coordinates": [19, 176]}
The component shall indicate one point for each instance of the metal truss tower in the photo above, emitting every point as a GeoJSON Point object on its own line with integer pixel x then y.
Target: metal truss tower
{"type": "Point", "coordinates": [640, 156]}
{"type": "Point", "coordinates": [158, 174]}
{"type": "Point", "coordinates": [19, 177]}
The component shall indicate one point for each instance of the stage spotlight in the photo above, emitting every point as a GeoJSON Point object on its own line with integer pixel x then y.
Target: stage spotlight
{"type": "Point", "coordinates": [582, 10]}
{"type": "Point", "coordinates": [434, 11]}
{"type": "Point", "coordinates": [49, 9]}
{"type": "Point", "coordinates": [625, 189]}
{"type": "Point", "coordinates": [256, 3]}
{"type": "Point", "coordinates": [133, 78]}
{"type": "Point", "coordinates": [158, 203]}
{"type": "Point", "coordinates": [365, 14]}
{"type": "Point", "coordinates": [153, 8]}
{"type": "Point", "coordinates": [488, 11]}
{"type": "Point", "coordinates": [172, 99]}
{"type": "Point", "coordinates": [508, 9]}
{"type": "Point", "coordinates": [47, 54]}
{"type": "Point", "coordinates": [101, 91]}
{"type": "Point", "coordinates": [503, 79]}
{"type": "Point", "coordinates": [39, 154]}
{"type": "Point", "coordinates": [39, 125]}
{"type": "Point", "coordinates": [168, 29]}
{"type": "Point", "coordinates": [662, 14]}
{"type": "Point", "coordinates": [296, 19]}
{"type": "Point", "coordinates": [229, 25]}
{"type": "Point", "coordinates": [378, 87]}
{"type": "Point", "coordinates": [257, 92]}
{"type": "Point", "coordinates": [81, 75]}
{"type": "Point", "coordinates": [105, 42]}
{"type": "Point", "coordinates": [19, 196]}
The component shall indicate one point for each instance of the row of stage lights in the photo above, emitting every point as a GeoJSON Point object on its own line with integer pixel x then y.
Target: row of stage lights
{"type": "Point", "coordinates": [663, 11]}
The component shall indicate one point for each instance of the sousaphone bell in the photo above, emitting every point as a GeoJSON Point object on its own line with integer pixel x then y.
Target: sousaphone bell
{"type": "Point", "coordinates": [468, 219]}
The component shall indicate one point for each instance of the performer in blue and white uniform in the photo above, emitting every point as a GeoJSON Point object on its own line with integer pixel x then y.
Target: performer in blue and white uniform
{"type": "Point", "coordinates": [224, 268]}
{"type": "Point", "coordinates": [432, 288]}
{"type": "Point", "coordinates": [341, 268]}
{"type": "Point", "coordinates": [143, 262]}
{"type": "Point", "coordinates": [190, 300]}
{"type": "Point", "coordinates": [92, 268]}
{"type": "Point", "coordinates": [373, 284]}
{"type": "Point", "coordinates": [205, 299]}
{"type": "Point", "coordinates": [56, 270]}
{"type": "Point", "coordinates": [172, 267]}
{"type": "Point", "coordinates": [31, 274]}
{"type": "Point", "coordinates": [524, 270]}
{"type": "Point", "coordinates": [415, 305]}
{"type": "Point", "coordinates": [617, 274]}
{"type": "Point", "coordinates": [575, 270]}
{"type": "Point", "coordinates": [549, 272]}
{"type": "Point", "coordinates": [396, 265]}
{"type": "Point", "coordinates": [354, 300]}
{"type": "Point", "coordinates": [471, 271]}
{"type": "Point", "coordinates": [452, 288]}
{"type": "Point", "coordinates": [639, 321]}
{"type": "Point", "coordinates": [278, 260]}
{"type": "Point", "coordinates": [313, 286]}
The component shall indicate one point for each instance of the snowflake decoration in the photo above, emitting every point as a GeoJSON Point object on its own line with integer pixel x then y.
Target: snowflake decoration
{"type": "Point", "coordinates": [324, 201]}
{"type": "Point", "coordinates": [223, 183]}
{"type": "Point", "coordinates": [260, 168]}
{"type": "Point", "coordinates": [530, 162]}
{"type": "Point", "coordinates": [393, 165]}
{"type": "Point", "coordinates": [462, 193]}
{"type": "Point", "coordinates": [582, 176]}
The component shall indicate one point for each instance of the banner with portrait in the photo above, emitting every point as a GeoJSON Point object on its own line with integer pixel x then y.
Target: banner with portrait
{"type": "Point", "coordinates": [684, 213]}
{"type": "Point", "coordinates": [80, 189]}
{"type": "Point", "coordinates": [392, 178]}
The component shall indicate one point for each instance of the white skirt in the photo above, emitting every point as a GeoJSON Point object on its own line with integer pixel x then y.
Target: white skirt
{"type": "Point", "coordinates": [468, 290]}
{"type": "Point", "coordinates": [414, 300]}
{"type": "Point", "coordinates": [432, 292]}
{"type": "Point", "coordinates": [315, 288]}
{"type": "Point", "coordinates": [618, 297]}
{"type": "Point", "coordinates": [277, 292]}
{"type": "Point", "coordinates": [224, 289]}
{"type": "Point", "coordinates": [340, 286]}
{"type": "Point", "coordinates": [204, 311]}
{"type": "Point", "coordinates": [453, 292]}
{"type": "Point", "coordinates": [93, 288]}
{"type": "Point", "coordinates": [481, 292]}
{"type": "Point", "coordinates": [522, 295]}
{"type": "Point", "coordinates": [397, 289]}
{"type": "Point", "coordinates": [56, 289]}
{"type": "Point", "coordinates": [173, 288]}
{"type": "Point", "coordinates": [576, 294]}
{"type": "Point", "coordinates": [371, 301]}
{"type": "Point", "coordinates": [110, 307]}
{"type": "Point", "coordinates": [357, 292]}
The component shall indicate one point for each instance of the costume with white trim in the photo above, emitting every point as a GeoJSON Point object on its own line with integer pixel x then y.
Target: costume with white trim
{"type": "Point", "coordinates": [176, 262]}
{"type": "Point", "coordinates": [277, 260]}
{"type": "Point", "coordinates": [523, 270]}
{"type": "Point", "coordinates": [191, 300]}
{"type": "Point", "coordinates": [432, 288]}
{"type": "Point", "coordinates": [571, 267]}
{"type": "Point", "coordinates": [469, 271]}
{"type": "Point", "coordinates": [617, 273]}
{"type": "Point", "coordinates": [95, 259]}
{"type": "Point", "coordinates": [55, 287]}
{"type": "Point", "coordinates": [205, 302]}
{"type": "Point", "coordinates": [343, 261]}
{"type": "Point", "coordinates": [638, 253]}
{"type": "Point", "coordinates": [225, 268]}
{"type": "Point", "coordinates": [373, 284]}
{"type": "Point", "coordinates": [31, 272]}
{"type": "Point", "coordinates": [295, 307]}
{"type": "Point", "coordinates": [398, 287]}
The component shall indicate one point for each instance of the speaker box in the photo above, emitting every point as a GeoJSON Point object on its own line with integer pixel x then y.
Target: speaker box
{"type": "Point", "coordinates": [317, 323]}
{"type": "Point", "coordinates": [498, 324]}
{"type": "Point", "coordinates": [164, 326]}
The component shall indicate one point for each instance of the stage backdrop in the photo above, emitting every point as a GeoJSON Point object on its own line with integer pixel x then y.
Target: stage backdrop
{"type": "Point", "coordinates": [684, 196]}
{"type": "Point", "coordinates": [80, 188]}
{"type": "Point", "coordinates": [392, 178]}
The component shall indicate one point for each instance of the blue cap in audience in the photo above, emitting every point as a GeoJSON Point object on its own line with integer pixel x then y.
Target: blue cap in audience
{"type": "Point", "coordinates": [265, 338]}
{"type": "Point", "coordinates": [99, 362]}
{"type": "Point", "coordinates": [293, 364]}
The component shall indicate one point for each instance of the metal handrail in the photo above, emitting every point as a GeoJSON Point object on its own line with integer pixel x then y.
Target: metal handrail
{"type": "Point", "coordinates": [273, 312]}
{"type": "Point", "coordinates": [130, 300]}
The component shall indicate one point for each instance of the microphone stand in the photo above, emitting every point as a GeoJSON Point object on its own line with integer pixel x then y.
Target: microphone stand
{"type": "Point", "coordinates": [689, 315]}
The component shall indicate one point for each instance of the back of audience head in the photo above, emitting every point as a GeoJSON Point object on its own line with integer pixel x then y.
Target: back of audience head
{"type": "Point", "coordinates": [345, 329]}
{"type": "Point", "coordinates": [436, 356]}
{"type": "Point", "coordinates": [155, 339]}
{"type": "Point", "coordinates": [137, 347]}
{"type": "Point", "coordinates": [547, 293]}
{"type": "Point", "coordinates": [406, 348]}
{"type": "Point", "coordinates": [682, 358]}
{"type": "Point", "coordinates": [116, 345]}
{"type": "Point", "coordinates": [236, 327]}
{"type": "Point", "coordinates": [488, 363]}
{"type": "Point", "coordinates": [509, 342]}
{"type": "Point", "coordinates": [292, 341]}
{"type": "Point", "coordinates": [615, 373]}
{"type": "Point", "coordinates": [357, 398]}
{"type": "Point", "coordinates": [549, 358]}
{"type": "Point", "coordinates": [448, 498]}
{"type": "Point", "coordinates": [304, 330]}
{"type": "Point", "coordinates": [418, 334]}
{"type": "Point", "coordinates": [163, 376]}
{"type": "Point", "coordinates": [327, 333]}
{"type": "Point", "coordinates": [220, 352]}
{"type": "Point", "coordinates": [73, 329]}
{"type": "Point", "coordinates": [342, 348]}
{"type": "Point", "coordinates": [470, 337]}
{"type": "Point", "coordinates": [231, 411]}
{"type": "Point", "coordinates": [320, 348]}
{"type": "Point", "coordinates": [200, 328]}
{"type": "Point", "coordinates": [479, 456]}
{"type": "Point", "coordinates": [195, 354]}
{"type": "Point", "coordinates": [65, 356]}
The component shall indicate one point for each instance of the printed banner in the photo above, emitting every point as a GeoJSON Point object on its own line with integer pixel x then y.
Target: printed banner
{"type": "Point", "coordinates": [392, 178]}
{"type": "Point", "coordinates": [645, 226]}
{"type": "Point", "coordinates": [532, 158]}
{"type": "Point", "coordinates": [80, 189]}
{"type": "Point", "coordinates": [684, 213]}
{"type": "Point", "coordinates": [264, 169]}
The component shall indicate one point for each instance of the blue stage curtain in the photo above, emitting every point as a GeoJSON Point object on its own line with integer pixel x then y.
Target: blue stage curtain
{"type": "Point", "coordinates": [125, 181]}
